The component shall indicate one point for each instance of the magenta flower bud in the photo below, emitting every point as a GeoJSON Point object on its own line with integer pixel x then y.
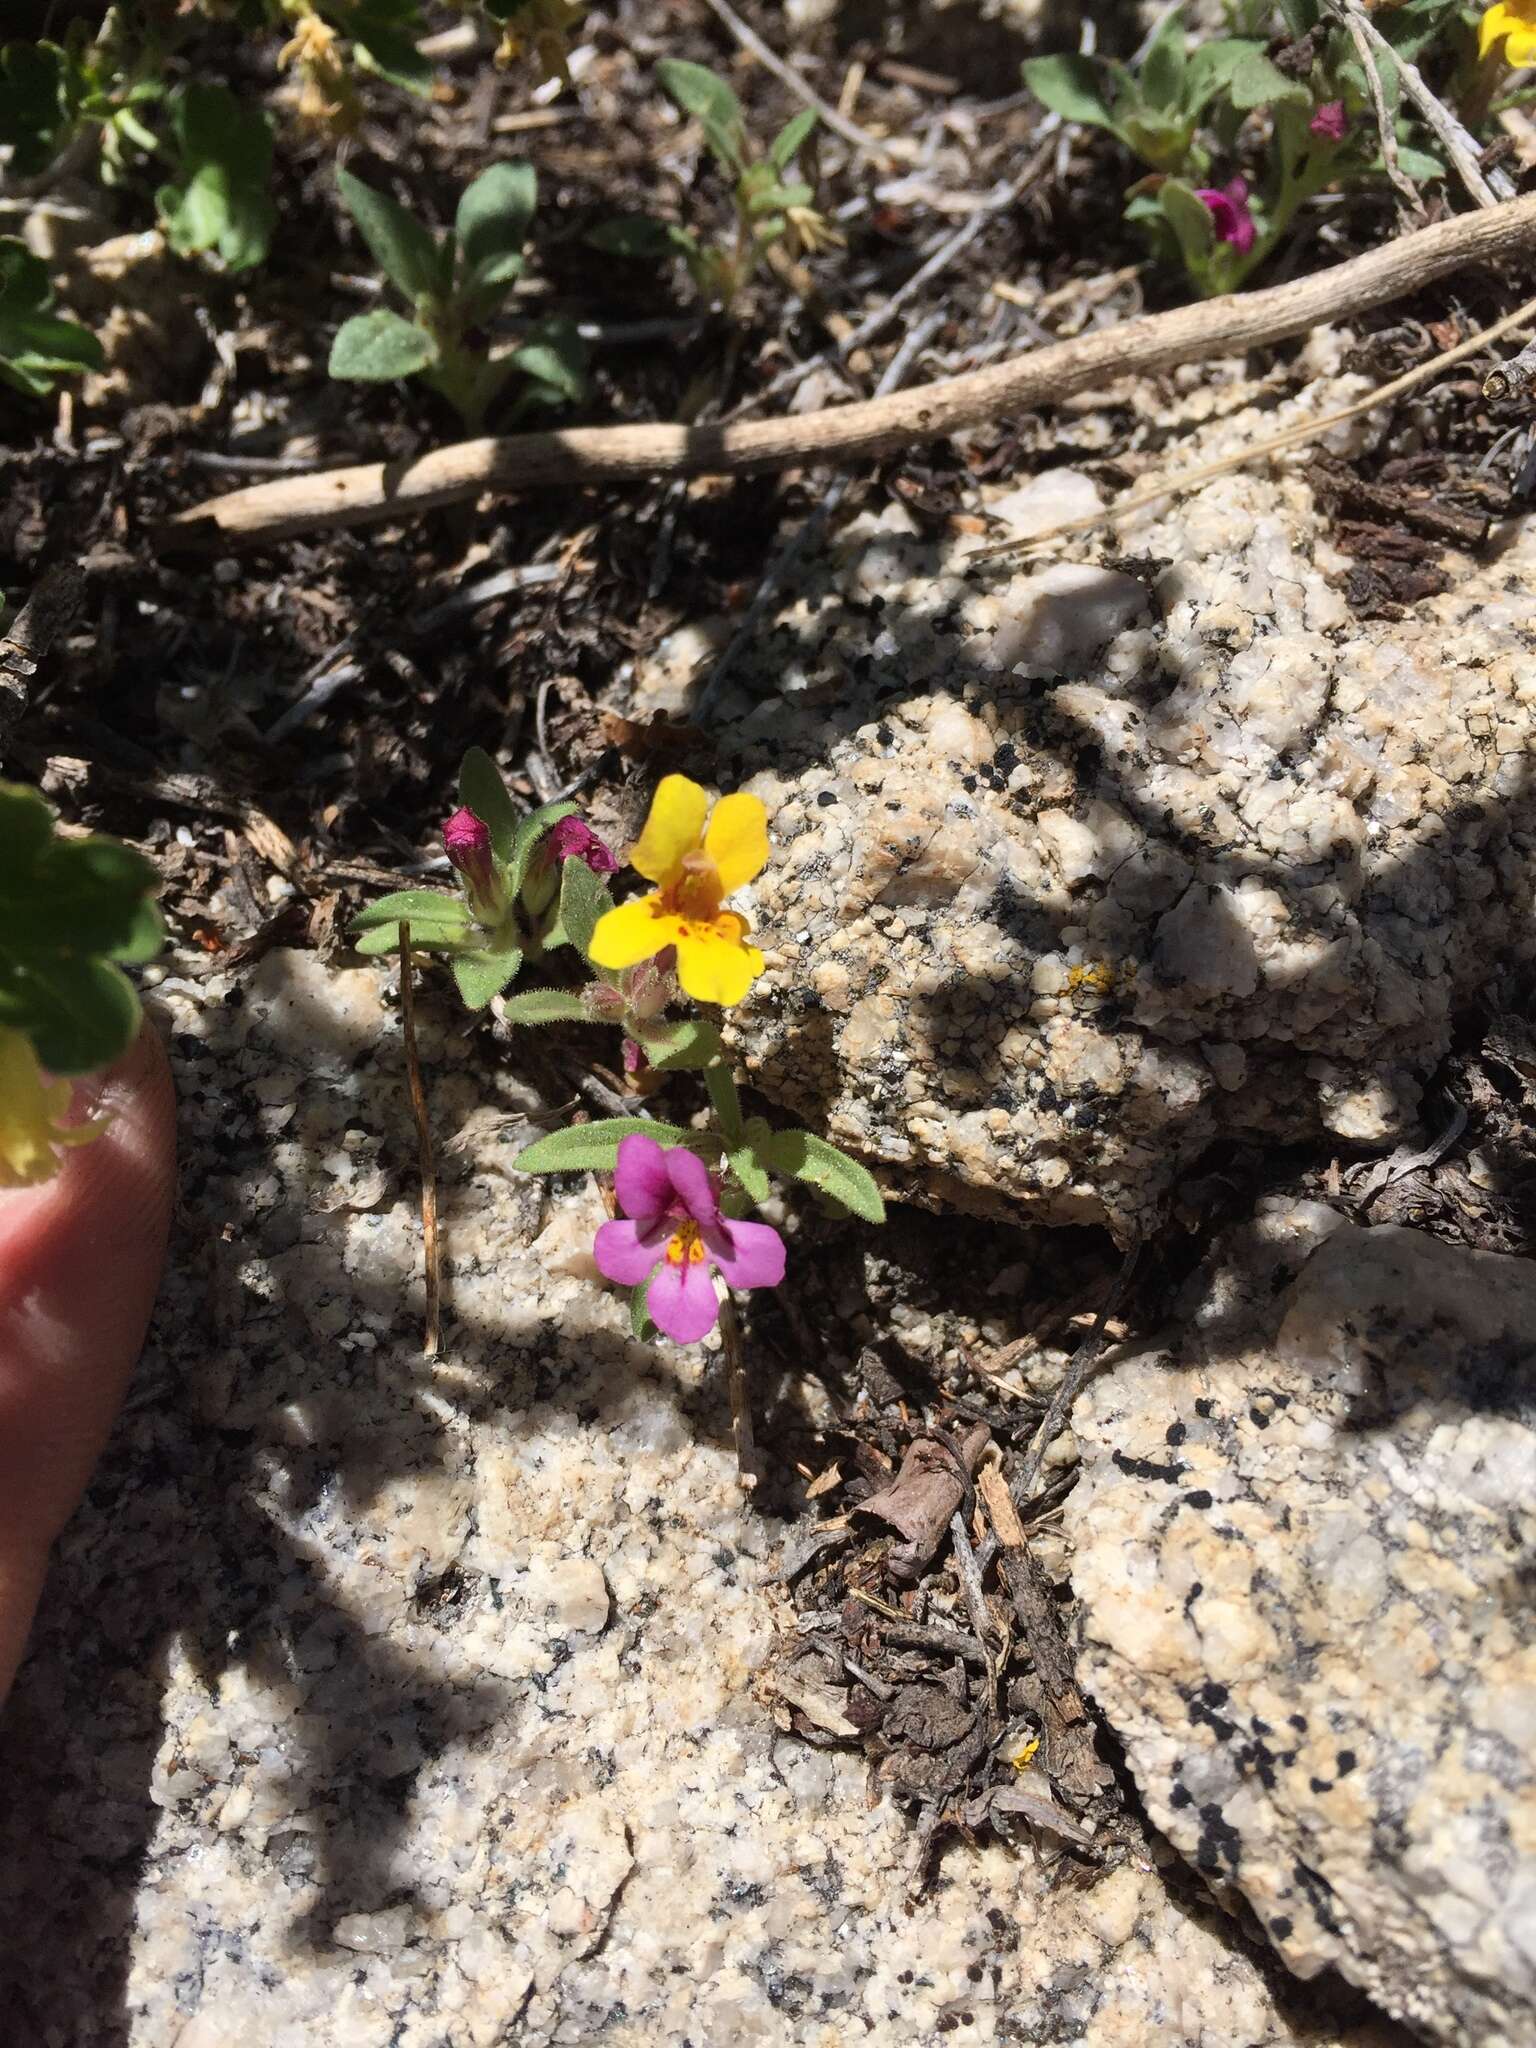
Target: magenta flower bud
{"type": "Point", "coordinates": [1330, 123]}
{"type": "Point", "coordinates": [467, 843]}
{"type": "Point", "coordinates": [649, 987]}
{"type": "Point", "coordinates": [574, 839]}
{"type": "Point", "coordinates": [1229, 213]}
{"type": "Point", "coordinates": [635, 1060]}
{"type": "Point", "coordinates": [601, 1003]}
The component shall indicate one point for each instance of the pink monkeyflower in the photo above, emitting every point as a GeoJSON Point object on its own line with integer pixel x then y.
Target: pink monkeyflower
{"type": "Point", "coordinates": [1229, 213]}
{"type": "Point", "coordinates": [467, 843]}
{"type": "Point", "coordinates": [1330, 123]}
{"type": "Point", "coordinates": [636, 1059]}
{"type": "Point", "coordinates": [574, 839]}
{"type": "Point", "coordinates": [674, 1234]}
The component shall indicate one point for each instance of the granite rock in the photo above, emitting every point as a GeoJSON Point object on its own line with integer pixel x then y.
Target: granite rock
{"type": "Point", "coordinates": [388, 1702]}
{"type": "Point", "coordinates": [1305, 1540]}
{"type": "Point", "coordinates": [1081, 867]}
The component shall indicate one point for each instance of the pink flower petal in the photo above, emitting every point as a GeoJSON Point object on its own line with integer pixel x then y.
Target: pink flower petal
{"type": "Point", "coordinates": [692, 1185]}
{"type": "Point", "coordinates": [640, 1178]}
{"type": "Point", "coordinates": [627, 1253]}
{"type": "Point", "coordinates": [681, 1301]}
{"type": "Point", "coordinates": [748, 1254]}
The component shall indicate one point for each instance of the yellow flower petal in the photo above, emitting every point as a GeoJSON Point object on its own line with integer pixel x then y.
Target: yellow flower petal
{"type": "Point", "coordinates": [30, 1109]}
{"type": "Point", "coordinates": [675, 827]}
{"type": "Point", "coordinates": [715, 967]}
{"type": "Point", "coordinates": [632, 933]}
{"type": "Point", "coordinates": [737, 841]}
{"type": "Point", "coordinates": [1520, 50]}
{"type": "Point", "coordinates": [1497, 21]}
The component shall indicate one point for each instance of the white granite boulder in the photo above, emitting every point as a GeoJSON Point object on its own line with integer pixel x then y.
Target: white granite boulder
{"type": "Point", "coordinates": [1305, 1547]}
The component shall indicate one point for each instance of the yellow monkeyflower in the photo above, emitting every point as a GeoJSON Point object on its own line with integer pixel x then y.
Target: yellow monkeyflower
{"type": "Point", "coordinates": [30, 1109]}
{"type": "Point", "coordinates": [694, 868]}
{"type": "Point", "coordinates": [1512, 22]}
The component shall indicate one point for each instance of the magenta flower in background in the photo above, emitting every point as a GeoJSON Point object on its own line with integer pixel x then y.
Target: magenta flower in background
{"type": "Point", "coordinates": [573, 839]}
{"type": "Point", "coordinates": [1330, 123]}
{"type": "Point", "coordinates": [1229, 213]}
{"type": "Point", "coordinates": [674, 1235]}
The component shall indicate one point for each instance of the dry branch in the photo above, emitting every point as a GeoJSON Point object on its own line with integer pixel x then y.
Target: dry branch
{"type": "Point", "coordinates": [590, 455]}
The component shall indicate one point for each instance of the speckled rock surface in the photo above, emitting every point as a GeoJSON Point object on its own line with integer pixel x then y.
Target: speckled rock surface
{"type": "Point", "coordinates": [1082, 865]}
{"type": "Point", "coordinates": [385, 1703]}
{"type": "Point", "coordinates": [1305, 1540]}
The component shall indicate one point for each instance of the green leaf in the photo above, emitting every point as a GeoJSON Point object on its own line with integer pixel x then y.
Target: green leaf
{"type": "Point", "coordinates": [724, 1100]}
{"type": "Point", "coordinates": [482, 976]}
{"type": "Point", "coordinates": [35, 344]}
{"type": "Point", "coordinates": [220, 202]}
{"type": "Point", "coordinates": [811, 1159]}
{"type": "Point", "coordinates": [527, 835]}
{"type": "Point", "coordinates": [424, 909]}
{"type": "Point", "coordinates": [789, 141]}
{"type": "Point", "coordinates": [1256, 82]}
{"type": "Point", "coordinates": [1161, 76]}
{"type": "Point", "coordinates": [640, 1323]}
{"type": "Point", "coordinates": [409, 256]}
{"type": "Point", "coordinates": [1191, 221]}
{"type": "Point", "coordinates": [1069, 86]}
{"type": "Point", "coordinates": [584, 898]}
{"type": "Point", "coordinates": [556, 356]}
{"type": "Point", "coordinates": [378, 347]}
{"type": "Point", "coordinates": [482, 791]}
{"type": "Point", "coordinates": [544, 1006]}
{"type": "Point", "coordinates": [393, 56]}
{"type": "Point", "coordinates": [35, 104]}
{"type": "Point", "coordinates": [1418, 164]}
{"type": "Point", "coordinates": [712, 103]}
{"type": "Point", "coordinates": [750, 1171]}
{"type": "Point", "coordinates": [688, 1042]}
{"type": "Point", "coordinates": [490, 229]}
{"type": "Point", "coordinates": [79, 1014]}
{"type": "Point", "coordinates": [594, 1148]}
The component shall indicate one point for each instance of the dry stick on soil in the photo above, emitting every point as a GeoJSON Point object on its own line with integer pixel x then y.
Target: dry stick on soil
{"type": "Point", "coordinates": [877, 426]}
{"type": "Point", "coordinates": [1292, 437]}
{"type": "Point", "coordinates": [24, 646]}
{"type": "Point", "coordinates": [423, 1143]}
{"type": "Point", "coordinates": [1459, 145]}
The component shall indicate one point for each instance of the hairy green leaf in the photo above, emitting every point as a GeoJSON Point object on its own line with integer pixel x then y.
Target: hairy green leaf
{"type": "Point", "coordinates": [640, 1324]}
{"type": "Point", "coordinates": [594, 1148]}
{"type": "Point", "coordinates": [407, 253]}
{"type": "Point", "coordinates": [713, 104]}
{"type": "Point", "coordinates": [811, 1159]}
{"type": "Point", "coordinates": [482, 791]}
{"type": "Point", "coordinates": [724, 1100]}
{"type": "Point", "coordinates": [584, 898]}
{"type": "Point", "coordinates": [750, 1171]}
{"type": "Point", "coordinates": [526, 837]}
{"type": "Point", "coordinates": [482, 976]}
{"type": "Point", "coordinates": [1191, 221]}
{"type": "Point", "coordinates": [555, 356]}
{"type": "Point", "coordinates": [378, 347]}
{"type": "Point", "coordinates": [219, 203]}
{"type": "Point", "coordinates": [673, 1046]}
{"type": "Point", "coordinates": [490, 229]}
{"type": "Point", "coordinates": [544, 1006]}
{"type": "Point", "coordinates": [1069, 86]}
{"type": "Point", "coordinates": [1161, 76]}
{"type": "Point", "coordinates": [790, 139]}
{"type": "Point", "coordinates": [424, 908]}
{"type": "Point", "coordinates": [1255, 82]}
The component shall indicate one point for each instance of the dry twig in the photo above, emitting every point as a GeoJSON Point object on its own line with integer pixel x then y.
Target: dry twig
{"type": "Point", "coordinates": [588, 455]}
{"type": "Point", "coordinates": [424, 1147]}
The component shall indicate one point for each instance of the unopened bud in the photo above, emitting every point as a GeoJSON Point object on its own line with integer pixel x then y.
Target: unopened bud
{"type": "Point", "coordinates": [649, 987]}
{"type": "Point", "coordinates": [467, 843]}
{"type": "Point", "coordinates": [602, 1003]}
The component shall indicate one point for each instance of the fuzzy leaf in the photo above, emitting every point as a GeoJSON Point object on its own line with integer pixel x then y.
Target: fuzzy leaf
{"type": "Point", "coordinates": [1256, 82]}
{"type": "Point", "coordinates": [1191, 221]}
{"type": "Point", "coordinates": [407, 253]}
{"type": "Point", "coordinates": [382, 47]}
{"type": "Point", "coordinates": [811, 1159]}
{"type": "Point", "coordinates": [482, 791]}
{"type": "Point", "coordinates": [724, 1100]}
{"type": "Point", "coordinates": [750, 1171]}
{"type": "Point", "coordinates": [555, 356]}
{"type": "Point", "coordinates": [482, 976]}
{"type": "Point", "coordinates": [378, 347]}
{"type": "Point", "coordinates": [527, 835]}
{"type": "Point", "coordinates": [1161, 77]}
{"type": "Point", "coordinates": [425, 910]}
{"type": "Point", "coordinates": [584, 898]}
{"type": "Point", "coordinates": [593, 1148]}
{"type": "Point", "coordinates": [789, 141]}
{"type": "Point", "coordinates": [713, 104]}
{"type": "Point", "coordinates": [1069, 86]}
{"type": "Point", "coordinates": [490, 229]}
{"type": "Point", "coordinates": [220, 203]}
{"type": "Point", "coordinates": [690, 1042]}
{"type": "Point", "coordinates": [640, 1323]}
{"type": "Point", "coordinates": [544, 1006]}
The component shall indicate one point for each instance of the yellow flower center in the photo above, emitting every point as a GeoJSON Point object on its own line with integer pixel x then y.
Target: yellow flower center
{"type": "Point", "coordinates": [685, 1247]}
{"type": "Point", "coordinates": [694, 891]}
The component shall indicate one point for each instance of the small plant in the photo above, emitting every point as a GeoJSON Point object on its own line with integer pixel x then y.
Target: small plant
{"type": "Point", "coordinates": [541, 29]}
{"type": "Point", "coordinates": [36, 346]}
{"type": "Point", "coordinates": [71, 910]}
{"type": "Point", "coordinates": [767, 208]}
{"type": "Point", "coordinates": [687, 1193]}
{"type": "Point", "coordinates": [454, 284]}
{"type": "Point", "coordinates": [1304, 110]}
